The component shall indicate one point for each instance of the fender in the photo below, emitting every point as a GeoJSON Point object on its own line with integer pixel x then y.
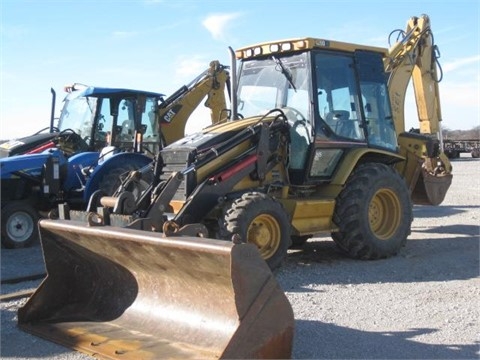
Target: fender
{"type": "Point", "coordinates": [353, 157]}
{"type": "Point", "coordinates": [119, 160]}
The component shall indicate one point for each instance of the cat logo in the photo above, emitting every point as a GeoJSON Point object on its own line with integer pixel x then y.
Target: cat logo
{"type": "Point", "coordinates": [170, 114]}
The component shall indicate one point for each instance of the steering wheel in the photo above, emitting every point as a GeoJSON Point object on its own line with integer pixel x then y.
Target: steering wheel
{"type": "Point", "coordinates": [297, 115]}
{"type": "Point", "coordinates": [71, 142]}
{"type": "Point", "coordinates": [55, 129]}
{"type": "Point", "coordinates": [299, 120]}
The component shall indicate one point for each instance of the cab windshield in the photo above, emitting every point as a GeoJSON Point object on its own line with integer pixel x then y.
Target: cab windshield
{"type": "Point", "coordinates": [273, 82]}
{"type": "Point", "coordinates": [78, 114]}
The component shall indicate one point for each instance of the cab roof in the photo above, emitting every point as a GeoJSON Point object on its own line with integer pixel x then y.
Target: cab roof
{"type": "Point", "coordinates": [299, 44]}
{"type": "Point", "coordinates": [102, 92]}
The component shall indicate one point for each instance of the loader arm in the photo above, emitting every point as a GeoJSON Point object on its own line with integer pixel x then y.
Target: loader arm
{"type": "Point", "coordinates": [250, 154]}
{"type": "Point", "coordinates": [176, 110]}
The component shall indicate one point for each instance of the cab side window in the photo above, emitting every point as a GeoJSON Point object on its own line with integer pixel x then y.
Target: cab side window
{"type": "Point", "coordinates": [149, 121]}
{"type": "Point", "coordinates": [337, 95]}
{"type": "Point", "coordinates": [104, 125]}
{"type": "Point", "coordinates": [126, 116]}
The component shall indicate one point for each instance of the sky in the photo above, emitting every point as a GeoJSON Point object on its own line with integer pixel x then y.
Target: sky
{"type": "Point", "coordinates": [160, 45]}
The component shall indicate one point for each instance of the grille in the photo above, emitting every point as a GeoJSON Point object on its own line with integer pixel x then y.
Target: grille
{"type": "Point", "coordinates": [176, 160]}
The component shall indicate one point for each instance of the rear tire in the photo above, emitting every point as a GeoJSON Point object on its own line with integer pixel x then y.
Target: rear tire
{"type": "Point", "coordinates": [262, 221]}
{"type": "Point", "coordinates": [373, 213]}
{"type": "Point", "coordinates": [19, 225]}
{"type": "Point", "coordinates": [112, 181]}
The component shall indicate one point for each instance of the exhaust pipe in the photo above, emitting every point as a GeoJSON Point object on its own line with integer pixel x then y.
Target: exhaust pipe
{"type": "Point", "coordinates": [52, 113]}
{"type": "Point", "coordinates": [233, 84]}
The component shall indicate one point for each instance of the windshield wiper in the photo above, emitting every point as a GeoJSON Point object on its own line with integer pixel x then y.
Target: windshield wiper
{"type": "Point", "coordinates": [285, 71]}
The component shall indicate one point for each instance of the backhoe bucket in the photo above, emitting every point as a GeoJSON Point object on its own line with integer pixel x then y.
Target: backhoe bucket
{"type": "Point", "coordinates": [119, 293]}
{"type": "Point", "coordinates": [431, 190]}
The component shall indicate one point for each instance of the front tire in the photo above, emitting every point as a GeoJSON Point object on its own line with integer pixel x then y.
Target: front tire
{"type": "Point", "coordinates": [373, 213]}
{"type": "Point", "coordinates": [19, 225]}
{"type": "Point", "coordinates": [262, 221]}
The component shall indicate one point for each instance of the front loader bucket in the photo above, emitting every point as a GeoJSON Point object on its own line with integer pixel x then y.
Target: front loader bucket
{"type": "Point", "coordinates": [119, 293]}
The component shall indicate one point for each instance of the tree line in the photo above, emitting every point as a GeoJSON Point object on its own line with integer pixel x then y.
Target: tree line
{"type": "Point", "coordinates": [472, 134]}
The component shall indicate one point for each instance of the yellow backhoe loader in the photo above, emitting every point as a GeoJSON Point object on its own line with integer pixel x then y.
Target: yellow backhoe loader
{"type": "Point", "coordinates": [315, 143]}
{"type": "Point", "coordinates": [176, 110]}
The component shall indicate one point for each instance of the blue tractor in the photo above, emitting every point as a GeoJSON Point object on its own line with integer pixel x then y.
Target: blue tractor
{"type": "Point", "coordinates": [102, 133]}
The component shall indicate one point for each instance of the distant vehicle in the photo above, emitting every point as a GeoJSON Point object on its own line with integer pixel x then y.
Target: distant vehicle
{"type": "Point", "coordinates": [453, 148]}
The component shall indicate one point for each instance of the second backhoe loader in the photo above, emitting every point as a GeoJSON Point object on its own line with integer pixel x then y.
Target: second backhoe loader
{"type": "Point", "coordinates": [212, 84]}
{"type": "Point", "coordinates": [315, 143]}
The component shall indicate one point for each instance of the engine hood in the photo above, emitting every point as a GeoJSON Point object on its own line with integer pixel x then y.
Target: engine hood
{"type": "Point", "coordinates": [215, 134]}
{"type": "Point", "coordinates": [24, 144]}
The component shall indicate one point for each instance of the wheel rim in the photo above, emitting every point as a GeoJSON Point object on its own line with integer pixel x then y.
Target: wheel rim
{"type": "Point", "coordinates": [20, 226]}
{"type": "Point", "coordinates": [384, 214]}
{"type": "Point", "coordinates": [264, 232]}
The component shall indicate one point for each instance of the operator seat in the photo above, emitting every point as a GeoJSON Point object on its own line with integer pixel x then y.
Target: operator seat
{"type": "Point", "coordinates": [128, 130]}
{"type": "Point", "coordinates": [300, 141]}
{"type": "Point", "coordinates": [335, 117]}
{"type": "Point", "coordinates": [299, 145]}
{"type": "Point", "coordinates": [339, 121]}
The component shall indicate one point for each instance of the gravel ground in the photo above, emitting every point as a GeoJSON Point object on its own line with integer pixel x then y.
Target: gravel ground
{"type": "Point", "coordinates": [421, 304]}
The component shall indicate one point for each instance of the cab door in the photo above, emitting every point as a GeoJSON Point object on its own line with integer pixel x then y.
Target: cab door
{"type": "Point", "coordinates": [339, 122]}
{"type": "Point", "coordinates": [379, 124]}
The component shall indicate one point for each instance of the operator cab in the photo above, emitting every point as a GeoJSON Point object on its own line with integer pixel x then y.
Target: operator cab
{"type": "Point", "coordinates": [334, 96]}
{"type": "Point", "coordinates": [112, 117]}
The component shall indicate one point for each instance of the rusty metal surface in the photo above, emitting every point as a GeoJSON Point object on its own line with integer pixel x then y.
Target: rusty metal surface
{"type": "Point", "coordinates": [123, 293]}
